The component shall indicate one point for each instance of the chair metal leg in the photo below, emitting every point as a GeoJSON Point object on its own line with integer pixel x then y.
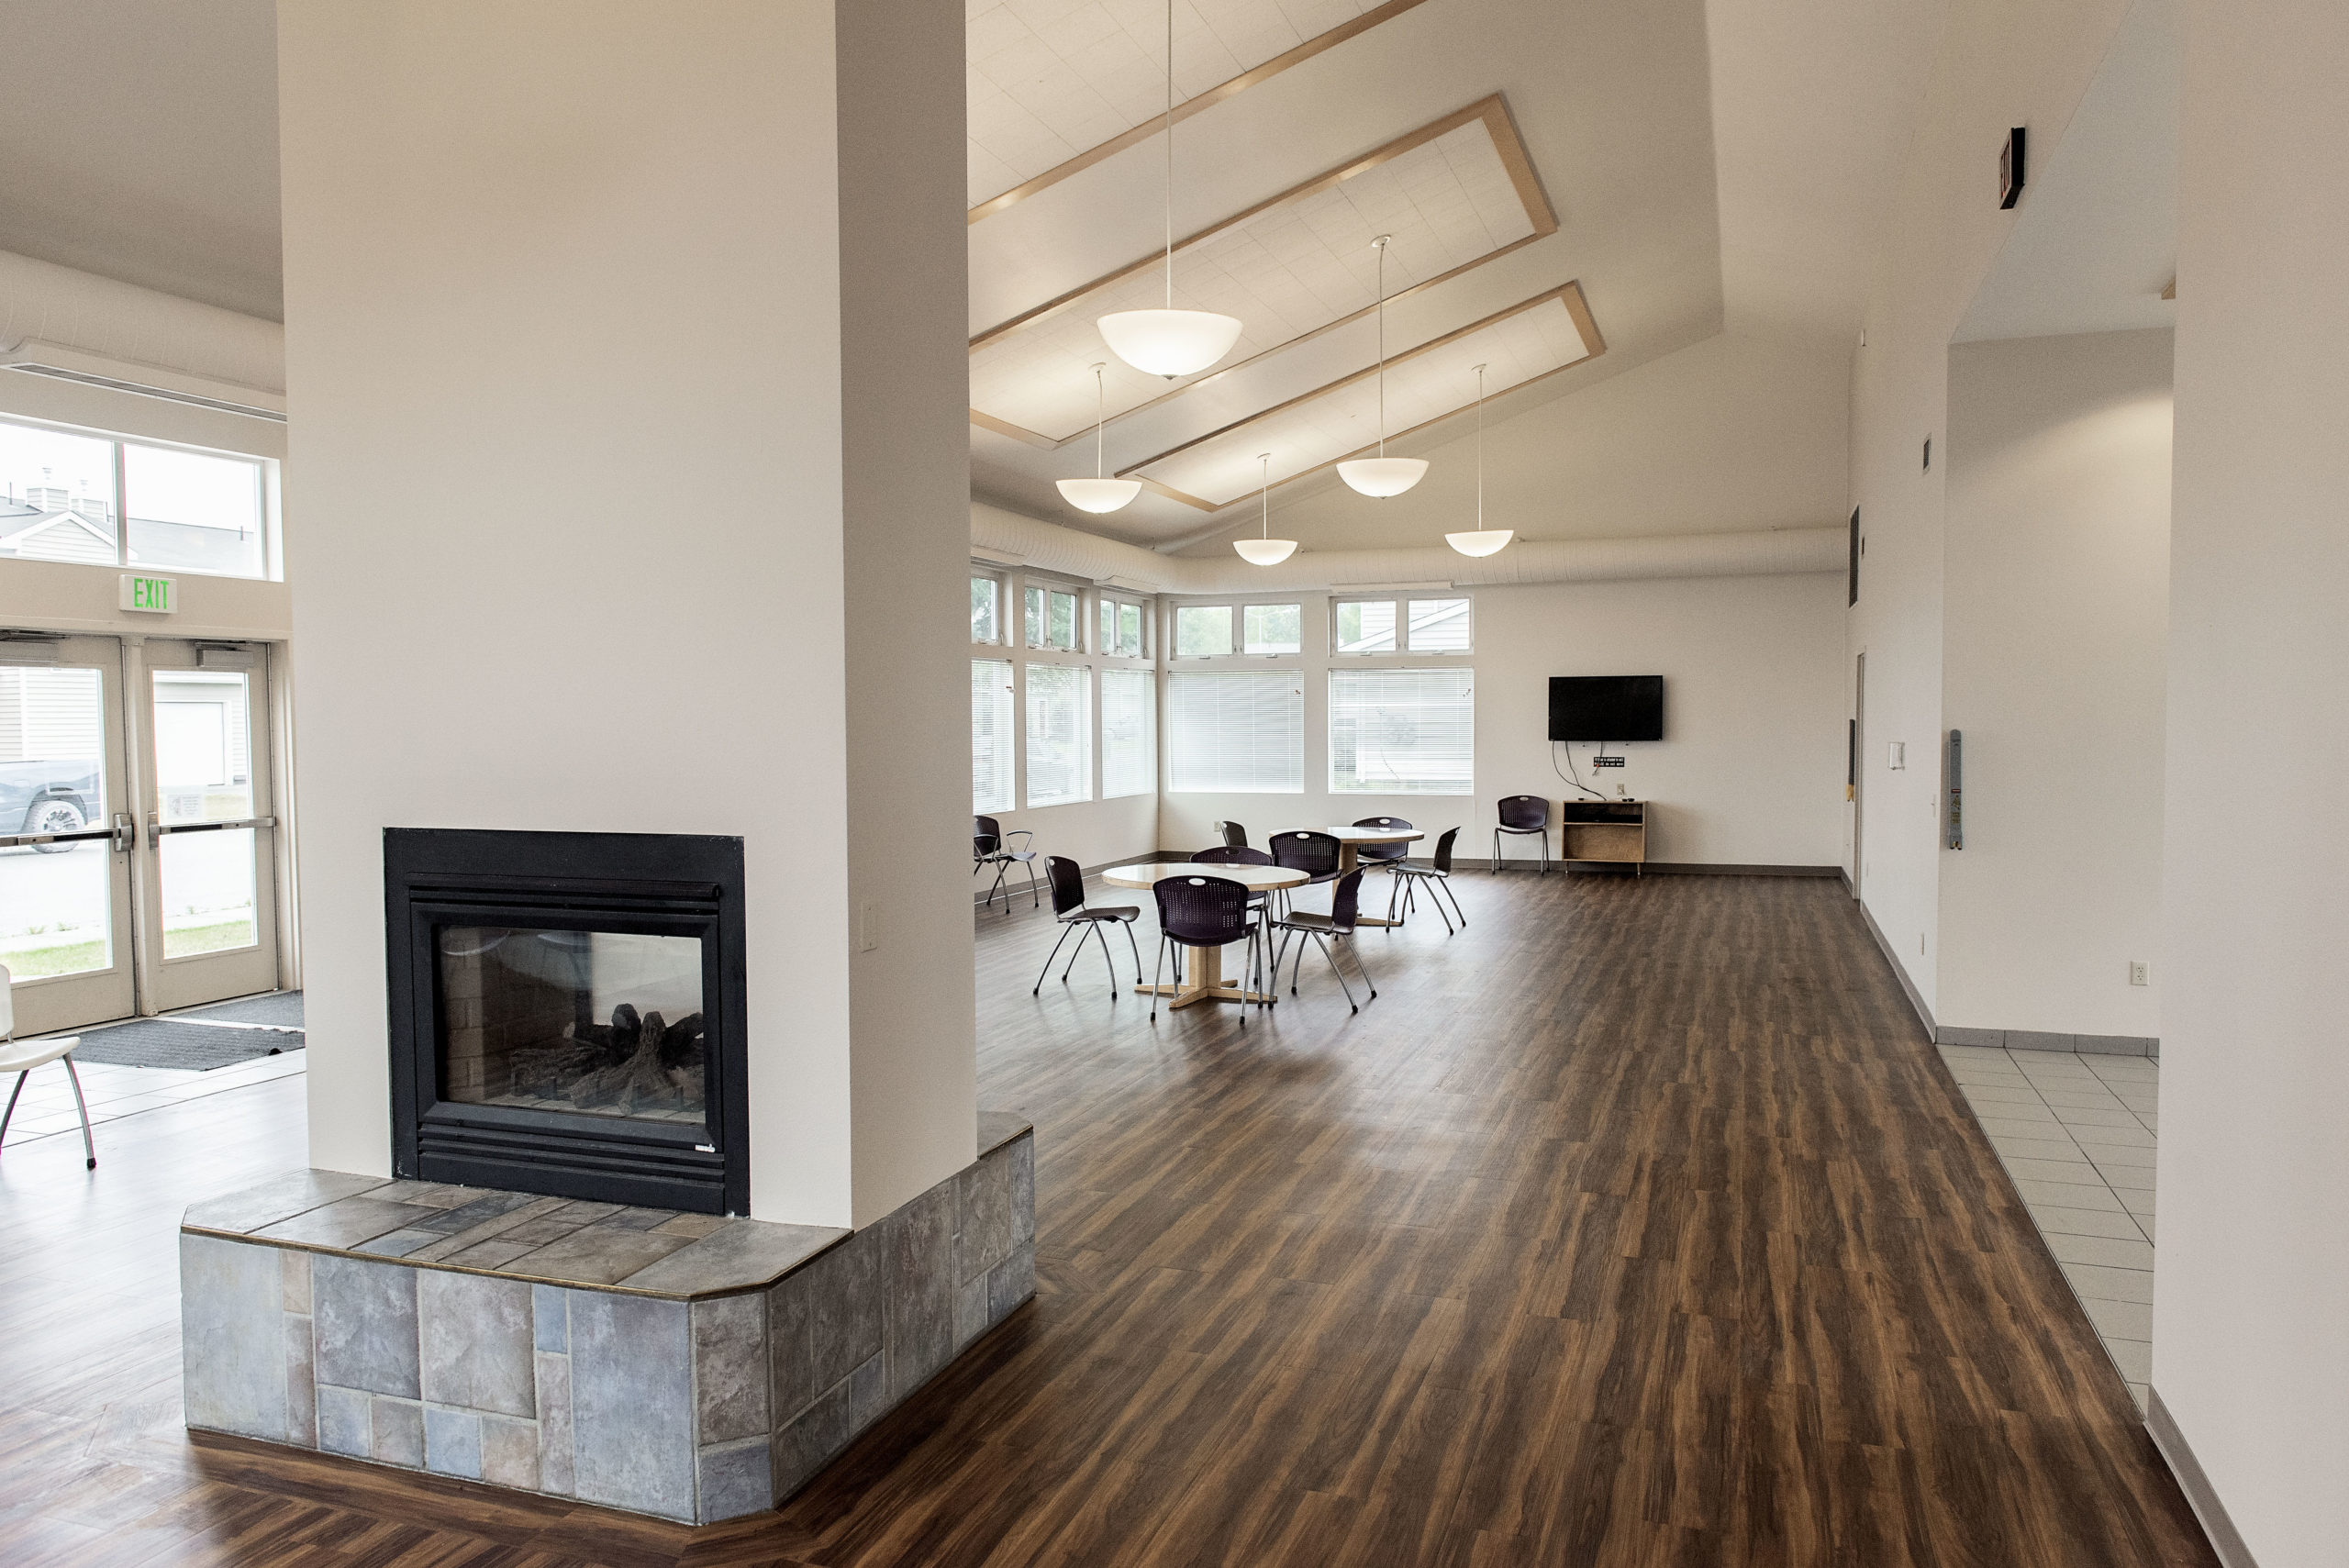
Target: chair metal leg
{"type": "Point", "coordinates": [1079, 926]}
{"type": "Point", "coordinates": [1355, 948]}
{"type": "Point", "coordinates": [1038, 988]}
{"type": "Point", "coordinates": [1494, 867]}
{"type": "Point", "coordinates": [1107, 962]}
{"type": "Point", "coordinates": [1352, 1006]}
{"type": "Point", "coordinates": [11, 1113]}
{"type": "Point", "coordinates": [1455, 904]}
{"type": "Point", "coordinates": [1034, 902]}
{"type": "Point", "coordinates": [1156, 966]}
{"type": "Point", "coordinates": [89, 1150]}
{"type": "Point", "coordinates": [1129, 925]}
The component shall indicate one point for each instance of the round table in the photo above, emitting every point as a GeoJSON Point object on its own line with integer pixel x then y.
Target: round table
{"type": "Point", "coordinates": [1203, 976]}
{"type": "Point", "coordinates": [1350, 839]}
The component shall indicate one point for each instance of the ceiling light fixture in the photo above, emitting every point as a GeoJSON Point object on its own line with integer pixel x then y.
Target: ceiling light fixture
{"type": "Point", "coordinates": [1382, 476]}
{"type": "Point", "coordinates": [1484, 540]}
{"type": "Point", "coordinates": [1098, 494]}
{"type": "Point", "coordinates": [1169, 342]}
{"type": "Point", "coordinates": [1265, 550]}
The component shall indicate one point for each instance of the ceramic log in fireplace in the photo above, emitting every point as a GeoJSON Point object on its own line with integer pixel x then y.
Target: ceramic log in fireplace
{"type": "Point", "coordinates": [566, 1014]}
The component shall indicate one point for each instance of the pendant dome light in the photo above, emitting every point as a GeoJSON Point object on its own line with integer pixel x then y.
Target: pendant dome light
{"type": "Point", "coordinates": [1382, 476]}
{"type": "Point", "coordinates": [1098, 494]}
{"type": "Point", "coordinates": [1169, 342]}
{"type": "Point", "coordinates": [1482, 540]}
{"type": "Point", "coordinates": [1265, 550]}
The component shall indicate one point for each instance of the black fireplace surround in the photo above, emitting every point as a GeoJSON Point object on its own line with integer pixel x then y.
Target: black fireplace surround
{"type": "Point", "coordinates": [567, 1014]}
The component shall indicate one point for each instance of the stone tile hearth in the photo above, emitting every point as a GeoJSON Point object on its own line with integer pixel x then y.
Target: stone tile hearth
{"type": "Point", "coordinates": [681, 1365]}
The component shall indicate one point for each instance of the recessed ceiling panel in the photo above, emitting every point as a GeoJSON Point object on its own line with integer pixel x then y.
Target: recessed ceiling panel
{"type": "Point", "coordinates": [1453, 195]}
{"type": "Point", "coordinates": [1524, 343]}
{"type": "Point", "coordinates": [1055, 85]}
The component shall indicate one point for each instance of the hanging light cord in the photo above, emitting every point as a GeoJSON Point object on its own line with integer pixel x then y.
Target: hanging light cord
{"type": "Point", "coordinates": [1169, 154]}
{"type": "Point", "coordinates": [1379, 245]}
{"type": "Point", "coordinates": [1265, 496]}
{"type": "Point", "coordinates": [1101, 420]}
{"type": "Point", "coordinates": [1480, 446]}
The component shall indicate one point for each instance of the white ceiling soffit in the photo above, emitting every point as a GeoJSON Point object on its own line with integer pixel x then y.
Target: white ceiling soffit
{"type": "Point", "coordinates": [1054, 86]}
{"type": "Point", "coordinates": [2094, 240]}
{"type": "Point", "coordinates": [1453, 195]}
{"type": "Point", "coordinates": [1540, 336]}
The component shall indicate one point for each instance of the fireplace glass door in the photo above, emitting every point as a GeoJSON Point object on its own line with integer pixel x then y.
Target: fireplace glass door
{"type": "Point", "coordinates": [580, 1022]}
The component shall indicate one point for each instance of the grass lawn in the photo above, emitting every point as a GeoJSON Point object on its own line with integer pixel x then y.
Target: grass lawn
{"type": "Point", "coordinates": [188, 940]}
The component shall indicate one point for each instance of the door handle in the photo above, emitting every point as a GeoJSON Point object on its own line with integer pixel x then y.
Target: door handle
{"type": "Point", "coordinates": [125, 833]}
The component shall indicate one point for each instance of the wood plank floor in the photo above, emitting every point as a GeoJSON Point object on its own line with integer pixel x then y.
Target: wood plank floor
{"type": "Point", "coordinates": [1636, 1225]}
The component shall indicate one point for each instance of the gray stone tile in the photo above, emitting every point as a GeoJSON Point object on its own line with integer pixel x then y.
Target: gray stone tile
{"type": "Point", "coordinates": [461, 1229]}
{"type": "Point", "coordinates": [342, 1422]}
{"type": "Point", "coordinates": [737, 1478]}
{"type": "Point", "coordinates": [554, 1424]}
{"type": "Point", "coordinates": [2137, 1201]}
{"type": "Point", "coordinates": [279, 1199]}
{"type": "Point", "coordinates": [597, 1254]}
{"type": "Point", "coordinates": [730, 1377]}
{"type": "Point", "coordinates": [844, 1309]}
{"type": "Point", "coordinates": [790, 1349]}
{"type": "Point", "coordinates": [397, 1243]}
{"type": "Point", "coordinates": [698, 1225]}
{"type": "Point", "coordinates": [2126, 1045]}
{"type": "Point", "coordinates": [1023, 1190]}
{"type": "Point", "coordinates": [475, 1337]}
{"type": "Point", "coordinates": [301, 1386]}
{"type": "Point", "coordinates": [631, 1403]}
{"type": "Point", "coordinates": [868, 1393]}
{"type": "Point", "coordinates": [2067, 1195]}
{"type": "Point", "coordinates": [2121, 1174]}
{"type": "Point", "coordinates": [233, 1339]}
{"type": "Point", "coordinates": [549, 1324]}
{"type": "Point", "coordinates": [917, 1288]}
{"type": "Point", "coordinates": [510, 1452]}
{"type": "Point", "coordinates": [2078, 1116]}
{"type": "Point", "coordinates": [2076, 1168]}
{"type": "Point", "coordinates": [1013, 1282]}
{"type": "Point", "coordinates": [742, 1254]}
{"type": "Point", "coordinates": [640, 1218]}
{"type": "Point", "coordinates": [397, 1427]}
{"type": "Point", "coordinates": [365, 1317]}
{"type": "Point", "coordinates": [481, 1208]}
{"type": "Point", "coordinates": [2107, 1251]}
{"type": "Point", "coordinates": [431, 1194]}
{"type": "Point", "coordinates": [452, 1442]}
{"type": "Point", "coordinates": [2095, 1280]}
{"type": "Point", "coordinates": [804, 1445]}
{"type": "Point", "coordinates": [2063, 1150]}
{"type": "Point", "coordinates": [2133, 1357]}
{"type": "Point", "coordinates": [2112, 1135]}
{"type": "Point", "coordinates": [999, 1128]}
{"type": "Point", "coordinates": [2065, 1219]}
{"type": "Point", "coordinates": [2120, 1320]}
{"type": "Point", "coordinates": [344, 1224]}
{"type": "Point", "coordinates": [971, 1315]}
{"type": "Point", "coordinates": [984, 1230]}
{"type": "Point", "coordinates": [492, 1254]}
{"type": "Point", "coordinates": [294, 1275]}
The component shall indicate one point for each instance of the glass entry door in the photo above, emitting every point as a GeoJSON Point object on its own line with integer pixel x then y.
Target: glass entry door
{"type": "Point", "coordinates": [66, 838]}
{"type": "Point", "coordinates": [207, 875]}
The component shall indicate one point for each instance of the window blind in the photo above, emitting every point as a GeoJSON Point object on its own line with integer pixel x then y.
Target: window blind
{"type": "Point", "coordinates": [1236, 732]}
{"type": "Point", "coordinates": [1129, 725]}
{"type": "Point", "coordinates": [991, 735]}
{"type": "Point", "coordinates": [1060, 749]}
{"type": "Point", "coordinates": [1402, 731]}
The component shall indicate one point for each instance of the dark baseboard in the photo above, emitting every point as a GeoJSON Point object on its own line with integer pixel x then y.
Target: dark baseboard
{"type": "Point", "coordinates": [2225, 1539]}
{"type": "Point", "coordinates": [1900, 972]}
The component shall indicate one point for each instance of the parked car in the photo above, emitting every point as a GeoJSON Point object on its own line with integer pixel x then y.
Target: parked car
{"type": "Point", "coordinates": [48, 795]}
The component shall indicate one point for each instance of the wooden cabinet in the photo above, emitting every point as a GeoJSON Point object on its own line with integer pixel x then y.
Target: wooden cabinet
{"type": "Point", "coordinates": [1610, 831]}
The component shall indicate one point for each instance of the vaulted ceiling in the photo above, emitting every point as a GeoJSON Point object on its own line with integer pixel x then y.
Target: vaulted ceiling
{"type": "Point", "coordinates": [1573, 188]}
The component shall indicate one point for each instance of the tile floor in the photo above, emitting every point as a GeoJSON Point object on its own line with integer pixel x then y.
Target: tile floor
{"type": "Point", "coordinates": [2076, 1133]}
{"type": "Point", "coordinates": [46, 1108]}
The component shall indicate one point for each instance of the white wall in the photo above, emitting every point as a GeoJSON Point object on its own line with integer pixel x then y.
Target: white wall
{"type": "Point", "coordinates": [2026, 64]}
{"type": "Point", "coordinates": [2057, 583]}
{"type": "Point", "coordinates": [1751, 770]}
{"type": "Point", "coordinates": [545, 262]}
{"type": "Point", "coordinates": [2251, 1303]}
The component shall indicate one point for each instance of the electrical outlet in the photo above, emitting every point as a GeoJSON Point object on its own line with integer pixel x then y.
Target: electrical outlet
{"type": "Point", "coordinates": [2137, 973]}
{"type": "Point", "coordinates": [868, 925]}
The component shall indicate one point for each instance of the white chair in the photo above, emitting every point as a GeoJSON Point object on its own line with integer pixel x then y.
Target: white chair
{"type": "Point", "coordinates": [21, 1057]}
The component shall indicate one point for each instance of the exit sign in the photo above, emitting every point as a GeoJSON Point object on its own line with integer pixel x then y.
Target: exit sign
{"type": "Point", "coordinates": [154, 595]}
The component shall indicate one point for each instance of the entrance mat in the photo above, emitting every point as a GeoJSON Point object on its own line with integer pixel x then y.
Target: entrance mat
{"type": "Point", "coordinates": [167, 1043]}
{"type": "Point", "coordinates": [277, 1009]}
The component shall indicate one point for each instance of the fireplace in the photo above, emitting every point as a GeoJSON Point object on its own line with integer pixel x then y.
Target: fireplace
{"type": "Point", "coordinates": [566, 1014]}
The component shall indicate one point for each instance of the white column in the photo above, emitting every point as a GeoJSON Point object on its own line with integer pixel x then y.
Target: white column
{"type": "Point", "coordinates": [624, 347]}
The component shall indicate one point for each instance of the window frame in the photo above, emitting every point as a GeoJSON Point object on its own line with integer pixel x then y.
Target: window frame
{"type": "Point", "coordinates": [1088, 726]}
{"type": "Point", "coordinates": [1002, 597]}
{"type": "Point", "coordinates": [1340, 673]}
{"type": "Point", "coordinates": [1401, 603]}
{"type": "Point", "coordinates": [1049, 588]}
{"type": "Point", "coordinates": [267, 487]}
{"type": "Point", "coordinates": [1258, 670]}
{"type": "Point", "coordinates": [1012, 739]}
{"type": "Point", "coordinates": [1156, 765]}
{"type": "Point", "coordinates": [1238, 608]}
{"type": "Point", "coordinates": [1109, 599]}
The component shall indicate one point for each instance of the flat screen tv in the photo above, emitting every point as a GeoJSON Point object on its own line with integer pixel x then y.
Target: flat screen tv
{"type": "Point", "coordinates": [1607, 707]}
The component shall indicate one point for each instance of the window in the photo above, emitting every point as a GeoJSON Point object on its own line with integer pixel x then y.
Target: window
{"type": "Point", "coordinates": [1121, 624]}
{"type": "Point", "coordinates": [986, 596]}
{"type": "Point", "coordinates": [1366, 626]}
{"type": "Point", "coordinates": [1271, 628]}
{"type": "Point", "coordinates": [64, 496]}
{"type": "Point", "coordinates": [1424, 626]}
{"type": "Point", "coordinates": [991, 735]}
{"type": "Point", "coordinates": [1051, 618]}
{"type": "Point", "coordinates": [1060, 749]}
{"type": "Point", "coordinates": [1202, 631]}
{"type": "Point", "coordinates": [1129, 728]}
{"type": "Point", "coordinates": [1236, 732]}
{"type": "Point", "coordinates": [1402, 731]}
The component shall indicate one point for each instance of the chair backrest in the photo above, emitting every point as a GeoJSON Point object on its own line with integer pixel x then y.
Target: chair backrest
{"type": "Point", "coordinates": [1306, 850]}
{"type": "Point", "coordinates": [1383, 851]}
{"type": "Point", "coordinates": [1443, 848]}
{"type": "Point", "coordinates": [1233, 835]}
{"type": "Point", "coordinates": [1525, 811]}
{"type": "Point", "coordinates": [1231, 855]}
{"type": "Point", "coordinates": [986, 835]}
{"type": "Point", "coordinates": [1202, 911]}
{"type": "Point", "coordinates": [1068, 883]}
{"type": "Point", "coordinates": [1344, 898]}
